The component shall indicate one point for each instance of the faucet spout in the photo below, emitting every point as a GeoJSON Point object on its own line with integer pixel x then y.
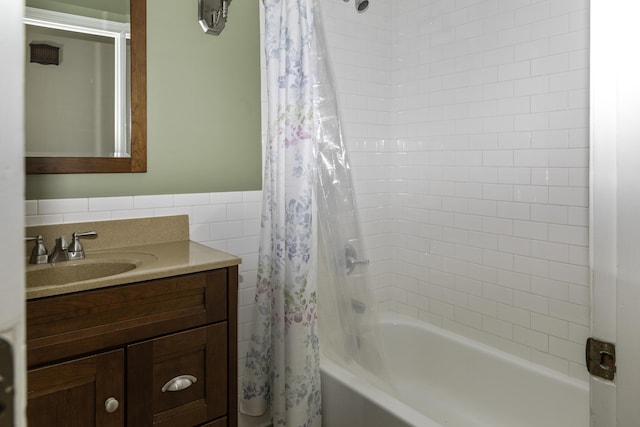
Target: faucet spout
{"type": "Point", "coordinates": [59, 253]}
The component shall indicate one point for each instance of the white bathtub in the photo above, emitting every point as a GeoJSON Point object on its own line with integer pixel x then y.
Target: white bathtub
{"type": "Point", "coordinates": [443, 379]}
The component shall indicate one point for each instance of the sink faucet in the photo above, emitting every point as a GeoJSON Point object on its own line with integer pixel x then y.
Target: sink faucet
{"type": "Point", "coordinates": [59, 252]}
{"type": "Point", "coordinates": [62, 252]}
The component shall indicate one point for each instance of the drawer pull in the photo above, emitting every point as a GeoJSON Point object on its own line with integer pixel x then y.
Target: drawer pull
{"type": "Point", "coordinates": [111, 405]}
{"type": "Point", "coordinates": [179, 383]}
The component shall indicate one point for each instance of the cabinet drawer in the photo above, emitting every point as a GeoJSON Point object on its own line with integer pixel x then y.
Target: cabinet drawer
{"type": "Point", "coordinates": [200, 354]}
{"type": "Point", "coordinates": [67, 325]}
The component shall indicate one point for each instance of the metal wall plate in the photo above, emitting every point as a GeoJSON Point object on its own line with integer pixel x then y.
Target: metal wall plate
{"type": "Point", "coordinates": [7, 391]}
{"type": "Point", "coordinates": [601, 358]}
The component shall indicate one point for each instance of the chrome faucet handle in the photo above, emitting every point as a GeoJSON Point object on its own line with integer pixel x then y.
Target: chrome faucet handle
{"type": "Point", "coordinates": [351, 259]}
{"type": "Point", "coordinates": [39, 254]}
{"type": "Point", "coordinates": [59, 252]}
{"type": "Point", "coordinates": [76, 251]}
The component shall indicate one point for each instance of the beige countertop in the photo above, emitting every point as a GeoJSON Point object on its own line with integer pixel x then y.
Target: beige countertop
{"type": "Point", "coordinates": [152, 259]}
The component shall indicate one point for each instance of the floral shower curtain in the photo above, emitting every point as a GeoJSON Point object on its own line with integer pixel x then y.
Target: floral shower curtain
{"type": "Point", "coordinates": [282, 371]}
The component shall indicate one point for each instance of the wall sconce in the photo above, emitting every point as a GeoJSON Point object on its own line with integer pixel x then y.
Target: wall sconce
{"type": "Point", "coordinates": [212, 15]}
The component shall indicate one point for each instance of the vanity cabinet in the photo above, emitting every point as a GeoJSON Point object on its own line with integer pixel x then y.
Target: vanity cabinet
{"type": "Point", "coordinates": [74, 393]}
{"type": "Point", "coordinates": [156, 353]}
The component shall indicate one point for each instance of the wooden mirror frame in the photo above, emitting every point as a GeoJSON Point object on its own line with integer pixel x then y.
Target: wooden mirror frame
{"type": "Point", "coordinates": [138, 160]}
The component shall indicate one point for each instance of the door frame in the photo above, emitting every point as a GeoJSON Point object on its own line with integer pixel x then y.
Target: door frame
{"type": "Point", "coordinates": [12, 257]}
{"type": "Point", "coordinates": [615, 205]}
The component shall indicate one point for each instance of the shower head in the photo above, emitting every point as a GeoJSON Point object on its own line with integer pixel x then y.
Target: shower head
{"type": "Point", "coordinates": [362, 5]}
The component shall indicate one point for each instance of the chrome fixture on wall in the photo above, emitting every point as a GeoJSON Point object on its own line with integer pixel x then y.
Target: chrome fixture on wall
{"type": "Point", "coordinates": [212, 15]}
{"type": "Point", "coordinates": [351, 258]}
{"type": "Point", "coordinates": [361, 5]}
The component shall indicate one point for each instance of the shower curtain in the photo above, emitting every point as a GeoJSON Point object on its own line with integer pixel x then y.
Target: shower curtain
{"type": "Point", "coordinates": [282, 370]}
{"type": "Point", "coordinates": [310, 238]}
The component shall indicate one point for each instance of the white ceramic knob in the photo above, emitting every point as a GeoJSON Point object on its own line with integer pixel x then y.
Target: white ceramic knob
{"type": "Point", "coordinates": [111, 405]}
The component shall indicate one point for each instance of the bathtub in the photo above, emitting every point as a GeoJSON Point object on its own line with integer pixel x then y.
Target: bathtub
{"type": "Point", "coordinates": [443, 379]}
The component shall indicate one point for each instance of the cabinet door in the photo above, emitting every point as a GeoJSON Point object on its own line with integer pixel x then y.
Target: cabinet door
{"type": "Point", "coordinates": [75, 393]}
{"type": "Point", "coordinates": [198, 353]}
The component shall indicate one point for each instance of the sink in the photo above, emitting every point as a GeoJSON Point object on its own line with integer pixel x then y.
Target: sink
{"type": "Point", "coordinates": [94, 266]}
{"type": "Point", "coordinates": [63, 274]}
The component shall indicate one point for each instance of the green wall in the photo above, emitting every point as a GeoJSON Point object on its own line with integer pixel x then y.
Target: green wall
{"type": "Point", "coordinates": [203, 132]}
{"type": "Point", "coordinates": [113, 10]}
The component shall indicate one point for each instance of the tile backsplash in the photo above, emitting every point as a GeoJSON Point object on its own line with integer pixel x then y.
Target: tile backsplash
{"type": "Point", "coordinates": [467, 124]}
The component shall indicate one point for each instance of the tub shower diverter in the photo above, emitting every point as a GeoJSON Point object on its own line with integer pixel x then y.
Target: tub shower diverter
{"type": "Point", "coordinates": [351, 258]}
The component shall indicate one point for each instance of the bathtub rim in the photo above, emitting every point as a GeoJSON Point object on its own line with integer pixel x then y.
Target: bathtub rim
{"type": "Point", "coordinates": [401, 319]}
{"type": "Point", "coordinates": [389, 403]}
{"type": "Point", "coordinates": [412, 416]}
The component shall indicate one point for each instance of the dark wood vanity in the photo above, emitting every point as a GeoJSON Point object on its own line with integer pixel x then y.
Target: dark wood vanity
{"type": "Point", "coordinates": [159, 352]}
{"type": "Point", "coordinates": [122, 344]}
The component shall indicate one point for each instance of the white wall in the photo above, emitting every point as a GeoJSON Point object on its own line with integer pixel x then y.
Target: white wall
{"type": "Point", "coordinates": [477, 112]}
{"type": "Point", "coordinates": [73, 102]}
{"type": "Point", "coordinates": [615, 100]}
{"type": "Point", "coordinates": [11, 194]}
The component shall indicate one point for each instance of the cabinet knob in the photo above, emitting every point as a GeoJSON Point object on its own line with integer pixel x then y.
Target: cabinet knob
{"type": "Point", "coordinates": [179, 383]}
{"type": "Point", "coordinates": [111, 405]}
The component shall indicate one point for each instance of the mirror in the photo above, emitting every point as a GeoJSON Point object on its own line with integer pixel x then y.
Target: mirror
{"type": "Point", "coordinates": [137, 161]}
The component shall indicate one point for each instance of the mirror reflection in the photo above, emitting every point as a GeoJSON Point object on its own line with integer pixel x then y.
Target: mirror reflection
{"type": "Point", "coordinates": [77, 86]}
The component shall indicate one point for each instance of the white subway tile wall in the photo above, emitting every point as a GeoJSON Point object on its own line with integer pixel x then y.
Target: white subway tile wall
{"type": "Point", "coordinates": [467, 123]}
